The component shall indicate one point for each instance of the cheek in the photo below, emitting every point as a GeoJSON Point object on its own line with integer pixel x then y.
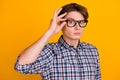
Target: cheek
{"type": "Point", "coordinates": [66, 30]}
{"type": "Point", "coordinates": [82, 29]}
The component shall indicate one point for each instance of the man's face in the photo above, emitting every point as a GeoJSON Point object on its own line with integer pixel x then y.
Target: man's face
{"type": "Point", "coordinates": [73, 33]}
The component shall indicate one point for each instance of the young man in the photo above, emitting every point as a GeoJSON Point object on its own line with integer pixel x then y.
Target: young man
{"type": "Point", "coordinates": [67, 59]}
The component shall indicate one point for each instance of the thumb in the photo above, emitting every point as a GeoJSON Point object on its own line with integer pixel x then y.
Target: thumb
{"type": "Point", "coordinates": [63, 24]}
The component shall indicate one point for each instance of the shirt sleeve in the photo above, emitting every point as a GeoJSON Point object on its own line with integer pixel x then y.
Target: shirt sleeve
{"type": "Point", "coordinates": [41, 64]}
{"type": "Point", "coordinates": [98, 71]}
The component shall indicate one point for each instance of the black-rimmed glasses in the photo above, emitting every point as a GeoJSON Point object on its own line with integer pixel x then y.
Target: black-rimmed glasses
{"type": "Point", "coordinates": [72, 23]}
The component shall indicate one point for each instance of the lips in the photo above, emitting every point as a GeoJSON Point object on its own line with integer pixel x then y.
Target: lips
{"type": "Point", "coordinates": [77, 33]}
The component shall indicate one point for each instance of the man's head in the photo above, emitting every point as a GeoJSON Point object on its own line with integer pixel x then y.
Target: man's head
{"type": "Point", "coordinates": [77, 16]}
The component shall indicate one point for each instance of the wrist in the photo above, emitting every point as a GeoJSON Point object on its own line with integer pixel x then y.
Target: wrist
{"type": "Point", "coordinates": [49, 33]}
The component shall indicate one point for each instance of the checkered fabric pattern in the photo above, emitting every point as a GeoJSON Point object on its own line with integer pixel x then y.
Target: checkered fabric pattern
{"type": "Point", "coordinates": [61, 61]}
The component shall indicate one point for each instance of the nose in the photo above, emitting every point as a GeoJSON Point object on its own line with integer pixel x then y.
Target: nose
{"type": "Point", "coordinates": [77, 26]}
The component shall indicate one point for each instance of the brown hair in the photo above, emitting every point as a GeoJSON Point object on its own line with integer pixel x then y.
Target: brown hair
{"type": "Point", "coordinates": [75, 7]}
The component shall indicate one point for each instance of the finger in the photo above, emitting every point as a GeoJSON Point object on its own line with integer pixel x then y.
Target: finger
{"type": "Point", "coordinates": [63, 15]}
{"type": "Point", "coordinates": [63, 24]}
{"type": "Point", "coordinates": [55, 15]}
{"type": "Point", "coordinates": [58, 11]}
{"type": "Point", "coordinates": [61, 20]}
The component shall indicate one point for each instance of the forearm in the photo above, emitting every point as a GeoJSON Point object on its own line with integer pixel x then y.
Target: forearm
{"type": "Point", "coordinates": [31, 53]}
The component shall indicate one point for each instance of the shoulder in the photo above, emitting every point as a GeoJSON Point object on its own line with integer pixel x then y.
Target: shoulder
{"type": "Point", "coordinates": [87, 45]}
{"type": "Point", "coordinates": [48, 49]}
{"type": "Point", "coordinates": [52, 45]}
{"type": "Point", "coordinates": [90, 49]}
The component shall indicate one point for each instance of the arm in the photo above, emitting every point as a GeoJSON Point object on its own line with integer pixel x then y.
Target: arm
{"type": "Point", "coordinates": [30, 54]}
{"type": "Point", "coordinates": [98, 71]}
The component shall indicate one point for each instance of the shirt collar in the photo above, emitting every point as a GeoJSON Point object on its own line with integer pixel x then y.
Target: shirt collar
{"type": "Point", "coordinates": [65, 44]}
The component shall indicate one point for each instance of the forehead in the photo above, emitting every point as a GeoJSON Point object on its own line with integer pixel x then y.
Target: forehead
{"type": "Point", "coordinates": [75, 15]}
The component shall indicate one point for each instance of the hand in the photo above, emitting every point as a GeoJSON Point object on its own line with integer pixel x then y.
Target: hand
{"type": "Point", "coordinates": [58, 22]}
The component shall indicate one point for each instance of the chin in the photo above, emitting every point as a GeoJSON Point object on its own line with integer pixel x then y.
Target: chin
{"type": "Point", "coordinates": [75, 38]}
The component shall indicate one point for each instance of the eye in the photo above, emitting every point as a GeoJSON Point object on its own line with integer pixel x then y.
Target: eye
{"type": "Point", "coordinates": [82, 22]}
{"type": "Point", "coordinates": [71, 22]}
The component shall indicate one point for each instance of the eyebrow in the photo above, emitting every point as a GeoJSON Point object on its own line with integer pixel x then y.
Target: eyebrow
{"type": "Point", "coordinates": [73, 19]}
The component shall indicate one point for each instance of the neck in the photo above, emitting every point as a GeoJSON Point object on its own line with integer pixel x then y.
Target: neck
{"type": "Point", "coordinates": [71, 42]}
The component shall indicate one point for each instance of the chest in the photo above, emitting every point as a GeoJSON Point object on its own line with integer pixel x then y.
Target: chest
{"type": "Point", "coordinates": [76, 63]}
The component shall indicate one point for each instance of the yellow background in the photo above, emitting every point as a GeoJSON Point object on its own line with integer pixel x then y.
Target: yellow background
{"type": "Point", "coordinates": [23, 21]}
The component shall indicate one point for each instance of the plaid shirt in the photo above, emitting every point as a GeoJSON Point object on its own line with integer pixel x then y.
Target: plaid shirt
{"type": "Point", "coordinates": [61, 61]}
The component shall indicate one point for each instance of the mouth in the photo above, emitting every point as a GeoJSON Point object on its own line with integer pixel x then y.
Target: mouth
{"type": "Point", "coordinates": [77, 33]}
